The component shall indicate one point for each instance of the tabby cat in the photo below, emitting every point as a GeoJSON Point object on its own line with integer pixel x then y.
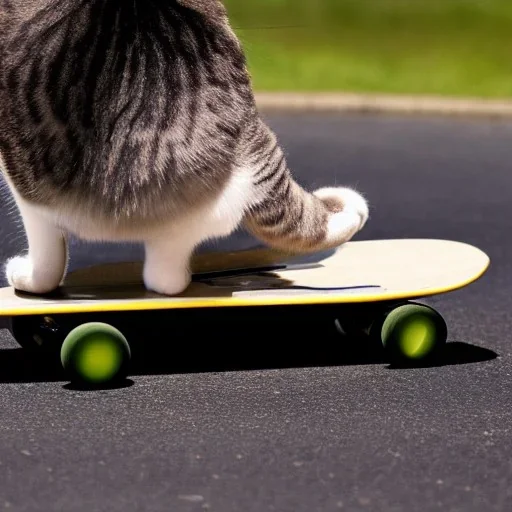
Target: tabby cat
{"type": "Point", "coordinates": [136, 121]}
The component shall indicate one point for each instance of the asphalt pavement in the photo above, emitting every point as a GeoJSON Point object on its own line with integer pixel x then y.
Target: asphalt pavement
{"type": "Point", "coordinates": [231, 425]}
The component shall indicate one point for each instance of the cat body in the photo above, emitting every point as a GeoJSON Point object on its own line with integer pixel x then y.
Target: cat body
{"type": "Point", "coordinates": [136, 121]}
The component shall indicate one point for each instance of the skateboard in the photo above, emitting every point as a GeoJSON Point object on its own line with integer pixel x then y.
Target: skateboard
{"type": "Point", "coordinates": [375, 286]}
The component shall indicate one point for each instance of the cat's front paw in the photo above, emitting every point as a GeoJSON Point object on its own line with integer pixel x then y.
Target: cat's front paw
{"type": "Point", "coordinates": [341, 199]}
{"type": "Point", "coordinates": [168, 282]}
{"type": "Point", "coordinates": [22, 275]}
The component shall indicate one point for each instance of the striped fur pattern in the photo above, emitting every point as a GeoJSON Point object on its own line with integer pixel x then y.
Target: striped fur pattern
{"type": "Point", "coordinates": [135, 120]}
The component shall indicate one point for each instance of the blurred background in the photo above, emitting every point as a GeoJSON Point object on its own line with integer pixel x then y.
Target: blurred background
{"type": "Point", "coordinates": [431, 47]}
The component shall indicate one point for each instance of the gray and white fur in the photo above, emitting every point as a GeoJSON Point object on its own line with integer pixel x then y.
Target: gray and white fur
{"type": "Point", "coordinates": [136, 121]}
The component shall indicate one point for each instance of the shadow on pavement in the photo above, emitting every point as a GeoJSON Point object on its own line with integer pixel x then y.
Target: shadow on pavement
{"type": "Point", "coordinates": [455, 353]}
{"type": "Point", "coordinates": [125, 383]}
{"type": "Point", "coordinates": [222, 341]}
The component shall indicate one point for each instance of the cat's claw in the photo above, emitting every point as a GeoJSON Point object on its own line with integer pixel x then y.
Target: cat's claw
{"type": "Point", "coordinates": [23, 276]}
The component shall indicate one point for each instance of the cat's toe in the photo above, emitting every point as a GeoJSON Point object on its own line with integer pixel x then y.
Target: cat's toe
{"type": "Point", "coordinates": [342, 199]}
{"type": "Point", "coordinates": [18, 272]}
{"type": "Point", "coordinates": [22, 276]}
{"type": "Point", "coordinates": [169, 284]}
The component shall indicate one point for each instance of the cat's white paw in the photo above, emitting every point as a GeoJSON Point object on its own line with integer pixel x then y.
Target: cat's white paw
{"type": "Point", "coordinates": [347, 200]}
{"type": "Point", "coordinates": [23, 276]}
{"type": "Point", "coordinates": [350, 213]}
{"type": "Point", "coordinates": [166, 282]}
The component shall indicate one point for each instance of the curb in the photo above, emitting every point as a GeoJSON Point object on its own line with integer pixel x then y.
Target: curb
{"type": "Point", "coordinates": [336, 102]}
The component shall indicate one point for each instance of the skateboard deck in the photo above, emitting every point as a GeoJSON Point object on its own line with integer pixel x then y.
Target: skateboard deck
{"type": "Point", "coordinates": [357, 272]}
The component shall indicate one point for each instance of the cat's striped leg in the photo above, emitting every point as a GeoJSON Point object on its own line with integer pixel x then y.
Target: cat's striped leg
{"type": "Point", "coordinates": [287, 217]}
{"type": "Point", "coordinates": [43, 268]}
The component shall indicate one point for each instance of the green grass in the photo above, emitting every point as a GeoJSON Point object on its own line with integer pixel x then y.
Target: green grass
{"type": "Point", "coordinates": [439, 47]}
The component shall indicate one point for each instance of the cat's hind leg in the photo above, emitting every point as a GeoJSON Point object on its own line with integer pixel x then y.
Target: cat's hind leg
{"type": "Point", "coordinates": [166, 264]}
{"type": "Point", "coordinates": [288, 217]}
{"type": "Point", "coordinates": [170, 247]}
{"type": "Point", "coordinates": [44, 266]}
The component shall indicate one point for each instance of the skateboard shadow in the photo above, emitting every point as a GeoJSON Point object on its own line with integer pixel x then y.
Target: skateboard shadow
{"type": "Point", "coordinates": [236, 340]}
{"type": "Point", "coordinates": [454, 353]}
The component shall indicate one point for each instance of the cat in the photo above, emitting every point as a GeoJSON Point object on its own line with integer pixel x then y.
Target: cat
{"type": "Point", "coordinates": [136, 121]}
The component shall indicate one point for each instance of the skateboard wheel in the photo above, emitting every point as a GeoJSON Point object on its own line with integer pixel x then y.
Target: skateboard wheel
{"type": "Point", "coordinates": [95, 353]}
{"type": "Point", "coordinates": [37, 333]}
{"type": "Point", "coordinates": [413, 332]}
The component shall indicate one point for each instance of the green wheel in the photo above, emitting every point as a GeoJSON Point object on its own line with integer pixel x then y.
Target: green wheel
{"type": "Point", "coordinates": [95, 353]}
{"type": "Point", "coordinates": [413, 332]}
